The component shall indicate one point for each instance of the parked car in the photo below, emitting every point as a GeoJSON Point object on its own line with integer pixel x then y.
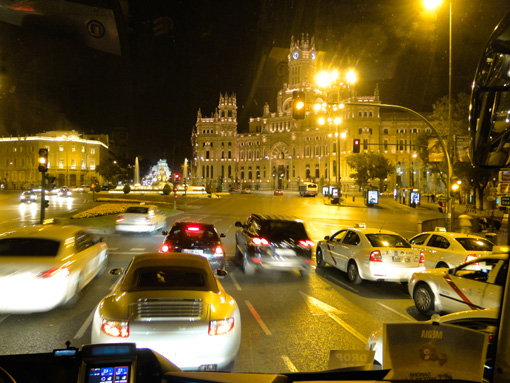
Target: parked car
{"type": "Point", "coordinates": [370, 253]}
{"type": "Point", "coordinates": [140, 219]}
{"type": "Point", "coordinates": [474, 285]}
{"type": "Point", "coordinates": [447, 249]}
{"type": "Point", "coordinates": [273, 242]}
{"type": "Point", "coordinates": [45, 266]}
{"type": "Point", "coordinates": [278, 192]}
{"type": "Point", "coordinates": [195, 238]}
{"type": "Point", "coordinates": [174, 305]}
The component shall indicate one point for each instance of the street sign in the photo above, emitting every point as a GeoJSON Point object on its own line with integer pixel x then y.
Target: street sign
{"type": "Point", "coordinates": [504, 188]}
{"type": "Point", "coordinates": [505, 200]}
{"type": "Point", "coordinates": [504, 175]}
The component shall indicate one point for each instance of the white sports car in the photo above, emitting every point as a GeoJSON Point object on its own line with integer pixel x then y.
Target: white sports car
{"type": "Point", "coordinates": [42, 267]}
{"type": "Point", "coordinates": [173, 304]}
{"type": "Point", "coordinates": [472, 285]}
{"type": "Point", "coordinates": [140, 219]}
{"type": "Point", "coordinates": [447, 249]}
{"type": "Point", "coordinates": [371, 254]}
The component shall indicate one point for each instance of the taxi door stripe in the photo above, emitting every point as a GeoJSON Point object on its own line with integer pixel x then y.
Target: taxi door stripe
{"type": "Point", "coordinates": [330, 252]}
{"type": "Point", "coordinates": [455, 288]}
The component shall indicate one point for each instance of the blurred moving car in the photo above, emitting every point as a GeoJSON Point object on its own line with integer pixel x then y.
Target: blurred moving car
{"type": "Point", "coordinates": [448, 249]}
{"type": "Point", "coordinates": [174, 305]}
{"type": "Point", "coordinates": [64, 192]}
{"type": "Point", "coordinates": [474, 285]}
{"type": "Point", "coordinates": [195, 238]}
{"type": "Point", "coordinates": [278, 192]}
{"type": "Point", "coordinates": [28, 196]}
{"type": "Point", "coordinates": [480, 320]}
{"type": "Point", "coordinates": [371, 254]}
{"type": "Point", "coordinates": [140, 219]}
{"type": "Point", "coordinates": [42, 267]}
{"type": "Point", "coordinates": [246, 191]}
{"type": "Point", "coordinates": [273, 242]}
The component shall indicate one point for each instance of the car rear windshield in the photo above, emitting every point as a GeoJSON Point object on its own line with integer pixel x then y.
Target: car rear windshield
{"type": "Point", "coordinates": [387, 240]}
{"type": "Point", "coordinates": [29, 247]}
{"type": "Point", "coordinates": [195, 232]}
{"type": "Point", "coordinates": [137, 210]}
{"type": "Point", "coordinates": [283, 229]}
{"type": "Point", "coordinates": [169, 278]}
{"type": "Point", "coordinates": [475, 244]}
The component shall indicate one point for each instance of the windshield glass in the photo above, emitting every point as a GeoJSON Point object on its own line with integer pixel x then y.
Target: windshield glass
{"type": "Point", "coordinates": [199, 111]}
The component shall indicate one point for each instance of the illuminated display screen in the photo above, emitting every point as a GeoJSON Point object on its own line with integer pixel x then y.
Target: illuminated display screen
{"type": "Point", "coordinates": [114, 374]}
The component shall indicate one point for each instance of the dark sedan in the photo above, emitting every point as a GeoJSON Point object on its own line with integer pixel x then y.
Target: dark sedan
{"type": "Point", "coordinates": [195, 238]}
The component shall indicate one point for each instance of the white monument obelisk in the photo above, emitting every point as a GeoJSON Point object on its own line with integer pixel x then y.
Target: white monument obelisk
{"type": "Point", "coordinates": [137, 173]}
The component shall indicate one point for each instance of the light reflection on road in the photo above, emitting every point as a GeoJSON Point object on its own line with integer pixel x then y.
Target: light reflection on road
{"type": "Point", "coordinates": [31, 211]}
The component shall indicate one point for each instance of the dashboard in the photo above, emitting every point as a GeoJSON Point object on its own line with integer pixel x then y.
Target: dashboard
{"type": "Point", "coordinates": [124, 363]}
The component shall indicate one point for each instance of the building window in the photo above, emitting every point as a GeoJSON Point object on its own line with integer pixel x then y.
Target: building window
{"type": "Point", "coordinates": [92, 151]}
{"type": "Point", "coordinates": [317, 171]}
{"type": "Point", "coordinates": [73, 164]}
{"type": "Point", "coordinates": [365, 144]}
{"type": "Point", "coordinates": [92, 164]}
{"type": "Point", "coordinates": [61, 163]}
{"type": "Point", "coordinates": [401, 145]}
{"type": "Point", "coordinates": [386, 145]}
{"type": "Point", "coordinates": [385, 131]}
{"type": "Point", "coordinates": [229, 154]}
{"type": "Point", "coordinates": [83, 165]}
{"type": "Point", "coordinates": [73, 148]}
{"type": "Point", "coordinates": [229, 171]}
{"type": "Point", "coordinates": [61, 148]}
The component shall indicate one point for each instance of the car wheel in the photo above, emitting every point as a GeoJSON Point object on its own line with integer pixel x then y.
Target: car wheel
{"type": "Point", "coordinates": [353, 273]}
{"type": "Point", "coordinates": [75, 291]}
{"type": "Point", "coordinates": [424, 299]}
{"type": "Point", "coordinates": [441, 265]}
{"type": "Point", "coordinates": [319, 258]}
{"type": "Point", "coordinates": [305, 271]}
{"type": "Point", "coordinates": [248, 268]}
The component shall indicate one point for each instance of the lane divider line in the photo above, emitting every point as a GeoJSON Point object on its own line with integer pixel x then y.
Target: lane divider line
{"type": "Point", "coordinates": [394, 311]}
{"type": "Point", "coordinates": [289, 364]}
{"type": "Point", "coordinates": [350, 329]}
{"type": "Point", "coordinates": [236, 284]}
{"type": "Point", "coordinates": [258, 319]}
{"type": "Point", "coordinates": [341, 283]}
{"type": "Point", "coordinates": [85, 325]}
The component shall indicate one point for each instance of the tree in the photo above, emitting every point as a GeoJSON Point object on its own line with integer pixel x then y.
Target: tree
{"type": "Point", "coordinates": [108, 170]}
{"type": "Point", "coordinates": [369, 166]}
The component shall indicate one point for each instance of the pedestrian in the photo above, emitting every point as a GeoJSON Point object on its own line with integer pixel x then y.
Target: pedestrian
{"type": "Point", "coordinates": [465, 223]}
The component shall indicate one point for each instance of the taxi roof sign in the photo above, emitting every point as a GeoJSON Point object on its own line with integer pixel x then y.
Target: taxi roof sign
{"type": "Point", "coordinates": [441, 229]}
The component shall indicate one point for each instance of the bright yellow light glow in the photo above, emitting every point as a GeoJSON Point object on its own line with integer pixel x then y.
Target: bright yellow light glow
{"type": "Point", "coordinates": [351, 76]}
{"type": "Point", "coordinates": [321, 121]}
{"type": "Point", "coordinates": [333, 76]}
{"type": "Point", "coordinates": [300, 105]}
{"type": "Point", "coordinates": [431, 4]}
{"type": "Point", "coordinates": [343, 135]}
{"type": "Point", "coordinates": [455, 187]}
{"type": "Point", "coordinates": [338, 120]}
{"type": "Point", "coordinates": [323, 79]}
{"type": "Point", "coordinates": [317, 107]}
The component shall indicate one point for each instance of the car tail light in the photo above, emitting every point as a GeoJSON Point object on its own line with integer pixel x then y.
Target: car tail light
{"type": "Point", "coordinates": [375, 256]}
{"type": "Point", "coordinates": [165, 248]}
{"type": "Point", "coordinates": [193, 228]}
{"type": "Point", "coordinates": [422, 258]}
{"type": "Point", "coordinates": [306, 243]}
{"type": "Point", "coordinates": [470, 257]}
{"type": "Point", "coordinates": [147, 220]}
{"type": "Point", "coordinates": [117, 329]}
{"type": "Point", "coordinates": [218, 251]}
{"type": "Point", "coordinates": [118, 220]}
{"type": "Point", "coordinates": [220, 327]}
{"type": "Point", "coordinates": [55, 272]}
{"type": "Point", "coordinates": [260, 241]}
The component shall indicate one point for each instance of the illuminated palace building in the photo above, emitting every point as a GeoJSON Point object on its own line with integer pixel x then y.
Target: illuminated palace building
{"type": "Point", "coordinates": [279, 152]}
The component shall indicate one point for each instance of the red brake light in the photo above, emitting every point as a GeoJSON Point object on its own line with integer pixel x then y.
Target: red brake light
{"type": "Point", "coordinates": [116, 329]}
{"type": "Point", "coordinates": [165, 248]}
{"type": "Point", "coordinates": [193, 228]}
{"type": "Point", "coordinates": [375, 256]}
{"type": "Point", "coordinates": [306, 243]}
{"type": "Point", "coordinates": [422, 258]}
{"type": "Point", "coordinates": [120, 219]}
{"type": "Point", "coordinates": [218, 251]}
{"type": "Point", "coordinates": [220, 327]}
{"type": "Point", "coordinates": [55, 272]}
{"type": "Point", "coordinates": [260, 241]}
{"type": "Point", "coordinates": [470, 257]}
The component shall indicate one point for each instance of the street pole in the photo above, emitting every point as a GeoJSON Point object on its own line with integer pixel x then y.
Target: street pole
{"type": "Point", "coordinates": [43, 202]}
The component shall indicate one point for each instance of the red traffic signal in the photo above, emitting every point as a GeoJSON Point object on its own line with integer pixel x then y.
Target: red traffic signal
{"type": "Point", "coordinates": [356, 143]}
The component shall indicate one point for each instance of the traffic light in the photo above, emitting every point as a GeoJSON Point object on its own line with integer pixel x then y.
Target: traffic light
{"type": "Point", "coordinates": [298, 105]}
{"type": "Point", "coordinates": [43, 160]}
{"type": "Point", "coordinates": [177, 177]}
{"type": "Point", "coordinates": [356, 145]}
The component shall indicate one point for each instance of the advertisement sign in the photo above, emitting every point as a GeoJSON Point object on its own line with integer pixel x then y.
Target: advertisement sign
{"type": "Point", "coordinates": [504, 175]}
{"type": "Point", "coordinates": [436, 153]}
{"type": "Point", "coordinates": [416, 351]}
{"type": "Point", "coordinates": [361, 359]}
{"type": "Point", "coordinates": [504, 188]}
{"type": "Point", "coordinates": [415, 198]}
{"type": "Point", "coordinates": [373, 197]}
{"type": "Point", "coordinates": [462, 147]}
{"type": "Point", "coordinates": [325, 190]}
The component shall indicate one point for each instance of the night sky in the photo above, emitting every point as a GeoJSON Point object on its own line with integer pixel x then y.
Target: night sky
{"type": "Point", "coordinates": [158, 84]}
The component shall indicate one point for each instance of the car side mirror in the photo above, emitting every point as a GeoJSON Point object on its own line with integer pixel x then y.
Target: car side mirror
{"type": "Point", "coordinates": [222, 235]}
{"type": "Point", "coordinates": [164, 232]}
{"type": "Point", "coordinates": [221, 273]}
{"type": "Point", "coordinates": [117, 271]}
{"type": "Point", "coordinates": [327, 237]}
{"type": "Point", "coordinates": [238, 224]}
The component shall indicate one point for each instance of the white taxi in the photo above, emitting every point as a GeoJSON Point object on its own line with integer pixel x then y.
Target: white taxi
{"type": "Point", "coordinates": [42, 267]}
{"type": "Point", "coordinates": [140, 219]}
{"type": "Point", "coordinates": [371, 254]}
{"type": "Point", "coordinates": [473, 285]}
{"type": "Point", "coordinates": [448, 249]}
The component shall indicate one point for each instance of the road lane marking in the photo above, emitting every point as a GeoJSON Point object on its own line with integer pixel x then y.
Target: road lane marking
{"type": "Point", "coordinates": [314, 304]}
{"type": "Point", "coordinates": [236, 284]}
{"type": "Point", "coordinates": [289, 364]}
{"type": "Point", "coordinates": [137, 249]}
{"type": "Point", "coordinates": [350, 329]}
{"type": "Point", "coordinates": [85, 325]}
{"type": "Point", "coordinates": [258, 318]}
{"type": "Point", "coordinates": [113, 248]}
{"type": "Point", "coordinates": [4, 317]}
{"type": "Point", "coordinates": [123, 252]}
{"type": "Point", "coordinates": [341, 283]}
{"type": "Point", "coordinates": [394, 311]}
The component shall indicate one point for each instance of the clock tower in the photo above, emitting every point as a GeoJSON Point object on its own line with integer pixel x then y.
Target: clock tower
{"type": "Point", "coordinates": [302, 58]}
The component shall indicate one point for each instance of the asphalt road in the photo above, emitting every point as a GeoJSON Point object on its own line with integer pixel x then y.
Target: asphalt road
{"type": "Point", "coordinates": [289, 322]}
